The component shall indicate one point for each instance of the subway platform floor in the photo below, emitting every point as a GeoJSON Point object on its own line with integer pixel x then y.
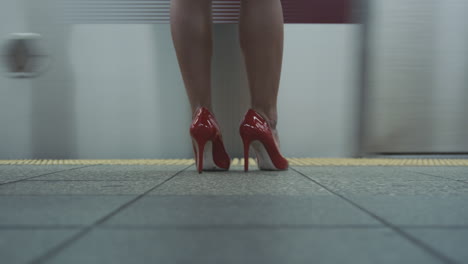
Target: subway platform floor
{"type": "Point", "coordinates": [93, 212]}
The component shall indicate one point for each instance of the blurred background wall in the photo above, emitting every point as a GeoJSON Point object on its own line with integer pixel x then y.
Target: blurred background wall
{"type": "Point", "coordinates": [417, 84]}
{"type": "Point", "coordinates": [114, 90]}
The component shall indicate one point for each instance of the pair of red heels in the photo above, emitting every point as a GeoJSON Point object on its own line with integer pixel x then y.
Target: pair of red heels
{"type": "Point", "coordinates": [209, 150]}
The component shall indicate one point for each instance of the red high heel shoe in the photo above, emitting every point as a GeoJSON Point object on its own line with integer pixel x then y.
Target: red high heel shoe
{"type": "Point", "coordinates": [205, 130]}
{"type": "Point", "coordinates": [256, 130]}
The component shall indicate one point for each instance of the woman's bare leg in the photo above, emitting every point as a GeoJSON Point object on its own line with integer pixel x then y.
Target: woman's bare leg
{"type": "Point", "coordinates": [261, 38]}
{"type": "Point", "coordinates": [191, 27]}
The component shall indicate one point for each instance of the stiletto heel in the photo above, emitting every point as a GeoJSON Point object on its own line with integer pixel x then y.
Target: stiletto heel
{"type": "Point", "coordinates": [256, 130]}
{"type": "Point", "coordinates": [199, 155]}
{"type": "Point", "coordinates": [204, 130]}
{"type": "Point", "coordinates": [246, 142]}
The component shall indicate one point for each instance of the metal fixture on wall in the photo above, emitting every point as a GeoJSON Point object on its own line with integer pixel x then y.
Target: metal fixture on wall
{"type": "Point", "coordinates": [23, 56]}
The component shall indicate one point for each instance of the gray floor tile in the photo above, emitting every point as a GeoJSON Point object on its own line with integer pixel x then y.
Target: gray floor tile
{"type": "Point", "coordinates": [237, 182]}
{"type": "Point", "coordinates": [233, 217]}
{"type": "Point", "coordinates": [77, 187]}
{"type": "Point", "coordinates": [383, 181]}
{"type": "Point", "coordinates": [57, 210]}
{"type": "Point", "coordinates": [372, 172]}
{"type": "Point", "coordinates": [10, 173]}
{"type": "Point", "coordinates": [118, 172]}
{"type": "Point", "coordinates": [243, 246]}
{"type": "Point", "coordinates": [456, 173]}
{"type": "Point", "coordinates": [241, 210]}
{"type": "Point", "coordinates": [452, 243]}
{"type": "Point", "coordinates": [417, 210]}
{"type": "Point", "coordinates": [22, 246]}
{"type": "Point", "coordinates": [362, 171]}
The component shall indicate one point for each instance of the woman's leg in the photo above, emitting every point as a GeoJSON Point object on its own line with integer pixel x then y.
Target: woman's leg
{"type": "Point", "coordinates": [191, 27]}
{"type": "Point", "coordinates": [261, 38]}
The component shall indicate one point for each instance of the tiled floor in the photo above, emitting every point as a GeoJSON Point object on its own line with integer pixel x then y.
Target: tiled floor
{"type": "Point", "coordinates": [171, 214]}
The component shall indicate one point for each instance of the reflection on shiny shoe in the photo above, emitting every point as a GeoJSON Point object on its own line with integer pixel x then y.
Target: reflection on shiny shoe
{"type": "Point", "coordinates": [256, 130]}
{"type": "Point", "coordinates": [208, 146]}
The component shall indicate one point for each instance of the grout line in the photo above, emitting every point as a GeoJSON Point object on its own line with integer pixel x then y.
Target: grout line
{"type": "Point", "coordinates": [435, 176]}
{"type": "Point", "coordinates": [65, 195]}
{"type": "Point", "coordinates": [386, 223]}
{"type": "Point", "coordinates": [139, 180]}
{"type": "Point", "coordinates": [434, 227]}
{"type": "Point", "coordinates": [102, 220]}
{"type": "Point", "coordinates": [55, 250]}
{"type": "Point", "coordinates": [228, 226]}
{"type": "Point", "coordinates": [26, 179]}
{"type": "Point", "coordinates": [199, 226]}
{"type": "Point", "coordinates": [238, 226]}
{"type": "Point", "coordinates": [39, 227]}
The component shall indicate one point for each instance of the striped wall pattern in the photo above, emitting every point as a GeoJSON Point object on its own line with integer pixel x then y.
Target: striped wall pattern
{"type": "Point", "coordinates": [224, 11]}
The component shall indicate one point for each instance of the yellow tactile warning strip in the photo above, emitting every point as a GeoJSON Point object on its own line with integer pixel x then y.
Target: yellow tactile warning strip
{"type": "Point", "coordinates": [237, 161]}
{"type": "Point", "coordinates": [376, 162]}
{"type": "Point", "coordinates": [99, 162]}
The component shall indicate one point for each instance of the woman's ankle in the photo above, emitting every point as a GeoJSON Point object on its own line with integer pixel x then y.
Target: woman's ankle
{"type": "Point", "coordinates": [269, 114]}
{"type": "Point", "coordinates": [197, 106]}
